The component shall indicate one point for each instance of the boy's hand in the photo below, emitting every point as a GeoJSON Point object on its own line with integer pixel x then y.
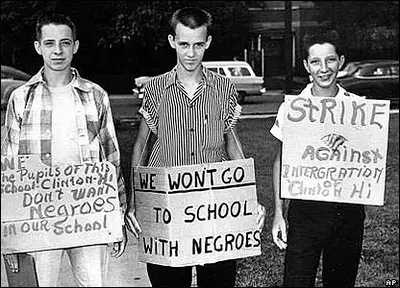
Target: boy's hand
{"type": "Point", "coordinates": [12, 262]}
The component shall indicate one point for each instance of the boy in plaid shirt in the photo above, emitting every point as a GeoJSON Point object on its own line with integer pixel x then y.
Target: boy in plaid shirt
{"type": "Point", "coordinates": [66, 120]}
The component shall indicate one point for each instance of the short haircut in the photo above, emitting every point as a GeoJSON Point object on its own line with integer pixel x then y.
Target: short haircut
{"type": "Point", "coordinates": [322, 36]}
{"type": "Point", "coordinates": [54, 18]}
{"type": "Point", "coordinates": [191, 17]}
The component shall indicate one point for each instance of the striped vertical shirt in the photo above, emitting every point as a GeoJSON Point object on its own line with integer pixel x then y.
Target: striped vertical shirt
{"type": "Point", "coordinates": [189, 131]}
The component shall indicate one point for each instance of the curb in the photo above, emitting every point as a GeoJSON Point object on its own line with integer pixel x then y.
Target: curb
{"type": "Point", "coordinates": [132, 120]}
{"type": "Point", "coordinates": [243, 116]}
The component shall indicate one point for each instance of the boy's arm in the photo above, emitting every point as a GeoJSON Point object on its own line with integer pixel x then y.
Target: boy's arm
{"type": "Point", "coordinates": [140, 152]}
{"type": "Point", "coordinates": [278, 224]}
{"type": "Point", "coordinates": [235, 152]}
{"type": "Point", "coordinates": [233, 145]}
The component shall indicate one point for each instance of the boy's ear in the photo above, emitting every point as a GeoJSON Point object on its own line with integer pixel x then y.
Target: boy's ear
{"type": "Point", "coordinates": [305, 64]}
{"type": "Point", "coordinates": [76, 46]}
{"type": "Point", "coordinates": [208, 42]}
{"type": "Point", "coordinates": [171, 40]}
{"type": "Point", "coordinates": [341, 61]}
{"type": "Point", "coordinates": [37, 47]}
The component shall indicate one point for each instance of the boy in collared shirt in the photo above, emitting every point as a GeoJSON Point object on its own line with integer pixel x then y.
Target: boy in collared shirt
{"type": "Point", "coordinates": [315, 227]}
{"type": "Point", "coordinates": [193, 112]}
{"type": "Point", "coordinates": [66, 120]}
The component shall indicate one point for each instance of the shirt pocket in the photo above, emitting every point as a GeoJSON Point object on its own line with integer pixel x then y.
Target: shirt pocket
{"type": "Point", "coordinates": [213, 133]}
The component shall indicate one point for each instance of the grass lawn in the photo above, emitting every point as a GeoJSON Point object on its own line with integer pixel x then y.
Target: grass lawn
{"type": "Point", "coordinates": [380, 254]}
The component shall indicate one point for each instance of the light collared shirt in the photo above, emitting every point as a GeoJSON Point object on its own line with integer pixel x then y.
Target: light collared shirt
{"type": "Point", "coordinates": [29, 126]}
{"type": "Point", "coordinates": [277, 128]}
{"type": "Point", "coordinates": [189, 130]}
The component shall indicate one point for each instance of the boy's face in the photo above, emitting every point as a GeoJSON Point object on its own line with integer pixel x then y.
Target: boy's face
{"type": "Point", "coordinates": [323, 64]}
{"type": "Point", "coordinates": [57, 47]}
{"type": "Point", "coordinates": [190, 45]}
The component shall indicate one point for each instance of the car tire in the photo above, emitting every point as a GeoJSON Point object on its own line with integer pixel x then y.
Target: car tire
{"type": "Point", "coordinates": [241, 96]}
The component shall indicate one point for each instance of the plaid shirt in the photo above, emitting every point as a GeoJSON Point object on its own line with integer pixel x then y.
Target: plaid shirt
{"type": "Point", "coordinates": [29, 124]}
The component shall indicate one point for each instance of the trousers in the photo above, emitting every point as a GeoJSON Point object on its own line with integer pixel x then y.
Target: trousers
{"type": "Point", "coordinates": [331, 229]}
{"type": "Point", "coordinates": [89, 265]}
{"type": "Point", "coordinates": [219, 274]}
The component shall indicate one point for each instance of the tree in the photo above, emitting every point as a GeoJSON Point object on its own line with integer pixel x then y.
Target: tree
{"type": "Point", "coordinates": [144, 24]}
{"type": "Point", "coordinates": [119, 36]}
{"type": "Point", "coordinates": [370, 29]}
{"type": "Point", "coordinates": [18, 30]}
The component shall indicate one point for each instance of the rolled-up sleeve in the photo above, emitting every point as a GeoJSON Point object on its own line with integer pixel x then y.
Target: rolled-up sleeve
{"type": "Point", "coordinates": [148, 109]}
{"type": "Point", "coordinates": [234, 109]}
{"type": "Point", "coordinates": [12, 126]}
{"type": "Point", "coordinates": [277, 128]}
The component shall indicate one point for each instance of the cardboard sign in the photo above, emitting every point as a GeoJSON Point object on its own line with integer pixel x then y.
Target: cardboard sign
{"type": "Point", "coordinates": [45, 207]}
{"type": "Point", "coordinates": [197, 214]}
{"type": "Point", "coordinates": [356, 172]}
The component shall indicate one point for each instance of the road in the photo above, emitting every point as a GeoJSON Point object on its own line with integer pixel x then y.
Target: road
{"type": "Point", "coordinates": [125, 107]}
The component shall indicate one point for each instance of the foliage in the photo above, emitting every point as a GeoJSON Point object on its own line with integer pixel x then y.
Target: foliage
{"type": "Point", "coordinates": [130, 37]}
{"type": "Point", "coordinates": [368, 28]}
{"type": "Point", "coordinates": [363, 14]}
{"type": "Point", "coordinates": [119, 36]}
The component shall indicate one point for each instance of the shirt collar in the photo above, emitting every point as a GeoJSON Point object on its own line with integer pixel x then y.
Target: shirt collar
{"type": "Point", "coordinates": [77, 82]}
{"type": "Point", "coordinates": [307, 91]}
{"type": "Point", "coordinates": [207, 77]}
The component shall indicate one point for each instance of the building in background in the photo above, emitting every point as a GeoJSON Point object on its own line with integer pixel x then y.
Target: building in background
{"type": "Point", "coordinates": [267, 32]}
{"type": "Point", "coordinates": [369, 30]}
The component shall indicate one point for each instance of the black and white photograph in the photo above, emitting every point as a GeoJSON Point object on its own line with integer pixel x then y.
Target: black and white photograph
{"type": "Point", "coordinates": [199, 143]}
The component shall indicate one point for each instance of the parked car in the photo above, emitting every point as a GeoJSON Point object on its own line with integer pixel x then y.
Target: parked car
{"type": "Point", "coordinates": [375, 79]}
{"type": "Point", "coordinates": [138, 86]}
{"type": "Point", "coordinates": [242, 76]}
{"type": "Point", "coordinates": [11, 79]}
{"type": "Point", "coordinates": [352, 67]}
{"type": "Point", "coordinates": [240, 72]}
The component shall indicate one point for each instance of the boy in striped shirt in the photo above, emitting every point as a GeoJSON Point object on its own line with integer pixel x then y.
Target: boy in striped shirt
{"type": "Point", "coordinates": [193, 112]}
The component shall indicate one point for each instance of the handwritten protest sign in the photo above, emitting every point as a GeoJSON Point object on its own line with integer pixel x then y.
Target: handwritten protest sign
{"type": "Point", "coordinates": [197, 214]}
{"type": "Point", "coordinates": [45, 207]}
{"type": "Point", "coordinates": [356, 172]}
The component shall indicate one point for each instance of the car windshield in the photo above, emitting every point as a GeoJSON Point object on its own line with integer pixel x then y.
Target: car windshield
{"type": "Point", "coordinates": [350, 68]}
{"type": "Point", "coordinates": [394, 70]}
{"type": "Point", "coordinates": [239, 71]}
{"type": "Point", "coordinates": [378, 71]}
